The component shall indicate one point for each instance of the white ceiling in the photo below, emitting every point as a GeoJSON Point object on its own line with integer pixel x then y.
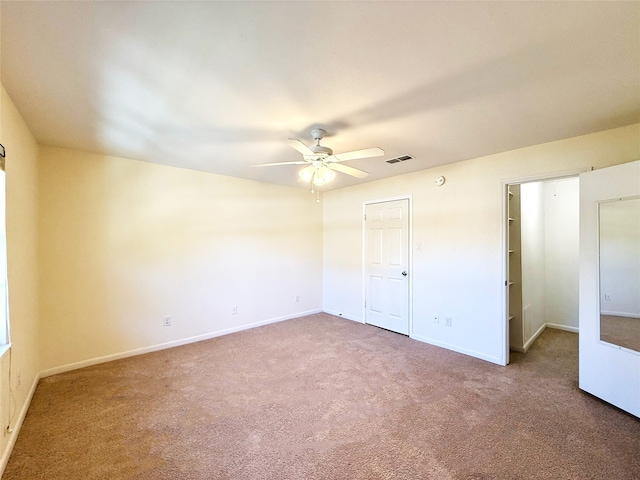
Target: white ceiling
{"type": "Point", "coordinates": [220, 86]}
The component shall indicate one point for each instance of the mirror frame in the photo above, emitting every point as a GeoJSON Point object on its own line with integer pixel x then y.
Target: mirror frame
{"type": "Point", "coordinates": [599, 272]}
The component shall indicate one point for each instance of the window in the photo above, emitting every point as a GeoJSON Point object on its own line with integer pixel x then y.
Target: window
{"type": "Point", "coordinates": [5, 338]}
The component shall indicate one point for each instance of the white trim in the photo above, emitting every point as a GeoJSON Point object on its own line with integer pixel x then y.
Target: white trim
{"type": "Point", "coordinates": [534, 337]}
{"type": "Point", "coordinates": [409, 198]}
{"type": "Point", "coordinates": [162, 346]}
{"type": "Point", "coordinates": [342, 315]}
{"type": "Point", "coordinates": [410, 247]}
{"type": "Point", "coordinates": [543, 177]}
{"type": "Point", "coordinates": [619, 347]}
{"type": "Point", "coordinates": [504, 232]}
{"type": "Point", "coordinates": [388, 199]}
{"type": "Point", "coordinates": [566, 328]}
{"type": "Point", "coordinates": [18, 425]}
{"type": "Point", "coordinates": [620, 314]}
{"type": "Point", "coordinates": [455, 348]}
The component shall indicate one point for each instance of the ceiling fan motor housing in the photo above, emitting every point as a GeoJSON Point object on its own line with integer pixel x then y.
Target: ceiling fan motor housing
{"type": "Point", "coordinates": [318, 134]}
{"type": "Point", "coordinates": [321, 151]}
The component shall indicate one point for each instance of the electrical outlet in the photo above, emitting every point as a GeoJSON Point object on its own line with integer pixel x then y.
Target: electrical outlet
{"type": "Point", "coordinates": [436, 318]}
{"type": "Point", "coordinates": [234, 310]}
{"type": "Point", "coordinates": [19, 378]}
{"type": "Point", "coordinates": [166, 321]}
{"type": "Point", "coordinates": [297, 298]}
{"type": "Point", "coordinates": [607, 297]}
{"type": "Point", "coordinates": [448, 321]}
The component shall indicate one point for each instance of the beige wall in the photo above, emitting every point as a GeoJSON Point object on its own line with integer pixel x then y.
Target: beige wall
{"type": "Point", "coordinates": [108, 246]}
{"type": "Point", "coordinates": [124, 243]}
{"type": "Point", "coordinates": [459, 270]}
{"type": "Point", "coordinates": [22, 242]}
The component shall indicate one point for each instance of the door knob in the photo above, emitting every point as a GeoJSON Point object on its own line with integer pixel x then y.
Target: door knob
{"type": "Point", "coordinates": [404, 274]}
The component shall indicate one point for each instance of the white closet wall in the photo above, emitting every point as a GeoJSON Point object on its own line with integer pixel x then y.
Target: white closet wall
{"type": "Point", "coordinates": [533, 257]}
{"type": "Point", "coordinates": [561, 252]}
{"type": "Point", "coordinates": [549, 237]}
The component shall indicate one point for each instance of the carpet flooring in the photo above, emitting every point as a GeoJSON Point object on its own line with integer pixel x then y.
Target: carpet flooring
{"type": "Point", "coordinates": [623, 331]}
{"type": "Point", "coordinates": [321, 397]}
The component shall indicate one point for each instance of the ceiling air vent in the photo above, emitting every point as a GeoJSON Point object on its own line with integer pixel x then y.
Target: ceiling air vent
{"type": "Point", "coordinates": [403, 158]}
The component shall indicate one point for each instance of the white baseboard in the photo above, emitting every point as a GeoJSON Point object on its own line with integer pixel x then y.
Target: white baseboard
{"type": "Point", "coordinates": [162, 346]}
{"type": "Point", "coordinates": [17, 426]}
{"type": "Point", "coordinates": [566, 328]}
{"type": "Point", "coordinates": [620, 314]}
{"type": "Point", "coordinates": [533, 338]}
{"type": "Point", "coordinates": [348, 317]}
{"type": "Point", "coordinates": [455, 348]}
{"type": "Point", "coordinates": [430, 341]}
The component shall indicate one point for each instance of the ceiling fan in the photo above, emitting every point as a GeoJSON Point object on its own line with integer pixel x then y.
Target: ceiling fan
{"type": "Point", "coordinates": [321, 162]}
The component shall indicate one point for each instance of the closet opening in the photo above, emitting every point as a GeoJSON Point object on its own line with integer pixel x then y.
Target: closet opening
{"type": "Point", "coordinates": [541, 274]}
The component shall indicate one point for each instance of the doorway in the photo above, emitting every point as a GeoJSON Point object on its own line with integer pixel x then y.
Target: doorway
{"type": "Point", "coordinates": [386, 264]}
{"type": "Point", "coordinates": [542, 238]}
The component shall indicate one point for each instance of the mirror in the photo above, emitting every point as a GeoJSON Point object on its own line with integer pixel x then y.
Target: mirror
{"type": "Point", "coordinates": [619, 228]}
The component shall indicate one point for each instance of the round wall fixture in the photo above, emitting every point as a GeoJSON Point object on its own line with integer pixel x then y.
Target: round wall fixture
{"type": "Point", "coordinates": [439, 180]}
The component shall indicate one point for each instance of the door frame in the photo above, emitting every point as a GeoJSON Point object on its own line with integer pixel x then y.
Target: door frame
{"type": "Point", "coordinates": [409, 198]}
{"type": "Point", "coordinates": [504, 186]}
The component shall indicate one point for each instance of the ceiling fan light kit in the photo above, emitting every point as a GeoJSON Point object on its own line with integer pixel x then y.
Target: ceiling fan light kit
{"type": "Point", "coordinates": [318, 175]}
{"type": "Point", "coordinates": [322, 164]}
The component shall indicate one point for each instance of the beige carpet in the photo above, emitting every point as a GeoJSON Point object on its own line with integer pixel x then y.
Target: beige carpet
{"type": "Point", "coordinates": [623, 331]}
{"type": "Point", "coordinates": [321, 397]}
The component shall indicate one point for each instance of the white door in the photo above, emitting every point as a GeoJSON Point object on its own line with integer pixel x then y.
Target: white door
{"type": "Point", "coordinates": [607, 370]}
{"type": "Point", "coordinates": [387, 265]}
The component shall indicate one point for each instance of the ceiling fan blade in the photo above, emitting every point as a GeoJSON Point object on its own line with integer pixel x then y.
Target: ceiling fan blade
{"type": "Point", "coordinates": [301, 147]}
{"type": "Point", "coordinates": [301, 162]}
{"type": "Point", "coordinates": [354, 172]}
{"type": "Point", "coordinates": [367, 152]}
